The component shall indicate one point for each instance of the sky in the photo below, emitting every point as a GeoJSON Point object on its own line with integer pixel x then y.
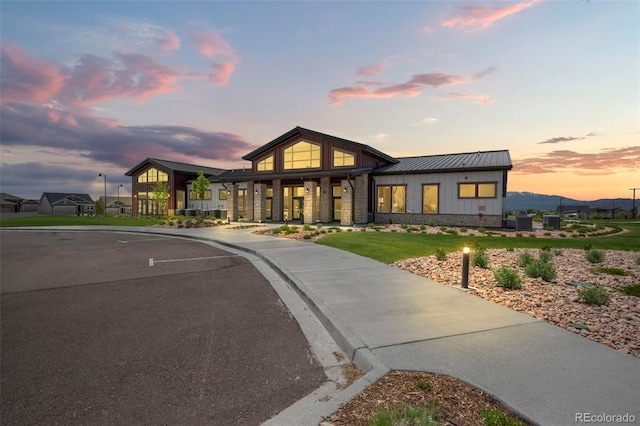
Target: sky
{"type": "Point", "coordinates": [95, 87]}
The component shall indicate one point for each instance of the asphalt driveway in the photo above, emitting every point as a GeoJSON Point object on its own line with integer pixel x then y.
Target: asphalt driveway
{"type": "Point", "coordinates": [108, 328]}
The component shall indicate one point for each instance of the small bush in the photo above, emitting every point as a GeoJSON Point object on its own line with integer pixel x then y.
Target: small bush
{"type": "Point", "coordinates": [612, 271]}
{"type": "Point", "coordinates": [638, 260]}
{"type": "Point", "coordinates": [557, 252]}
{"type": "Point", "coordinates": [519, 234]}
{"type": "Point", "coordinates": [540, 269]}
{"type": "Point", "coordinates": [440, 253]}
{"type": "Point", "coordinates": [507, 278]}
{"type": "Point", "coordinates": [306, 237]}
{"type": "Point", "coordinates": [463, 230]}
{"type": "Point", "coordinates": [406, 415]}
{"type": "Point", "coordinates": [630, 290]}
{"type": "Point", "coordinates": [404, 226]}
{"type": "Point", "coordinates": [595, 256]}
{"type": "Point", "coordinates": [307, 227]}
{"type": "Point", "coordinates": [423, 227]}
{"type": "Point", "coordinates": [545, 256]}
{"type": "Point", "coordinates": [497, 418]}
{"type": "Point", "coordinates": [481, 229]}
{"type": "Point", "coordinates": [424, 385]}
{"type": "Point", "coordinates": [525, 258]}
{"type": "Point", "coordinates": [480, 258]}
{"type": "Point", "coordinates": [432, 223]}
{"type": "Point", "coordinates": [371, 225]}
{"type": "Point", "coordinates": [588, 247]}
{"type": "Point", "coordinates": [594, 295]}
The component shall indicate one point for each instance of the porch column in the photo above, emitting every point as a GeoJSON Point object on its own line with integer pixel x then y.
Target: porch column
{"type": "Point", "coordinates": [276, 202]}
{"type": "Point", "coordinates": [346, 217]}
{"type": "Point", "coordinates": [326, 200]}
{"type": "Point", "coordinates": [260, 202]}
{"type": "Point", "coordinates": [310, 200]}
{"type": "Point", "coordinates": [250, 201]}
{"type": "Point", "coordinates": [232, 202]}
{"type": "Point", "coordinates": [362, 198]}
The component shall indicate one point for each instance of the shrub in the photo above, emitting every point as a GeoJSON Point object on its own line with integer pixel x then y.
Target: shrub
{"type": "Point", "coordinates": [371, 225]}
{"type": "Point", "coordinates": [545, 256]}
{"type": "Point", "coordinates": [480, 258]}
{"type": "Point", "coordinates": [557, 252]}
{"type": "Point", "coordinates": [507, 278]}
{"type": "Point", "coordinates": [481, 229]}
{"type": "Point", "coordinates": [440, 253]}
{"type": "Point", "coordinates": [525, 258]}
{"type": "Point", "coordinates": [612, 271]}
{"type": "Point", "coordinates": [405, 415]}
{"type": "Point", "coordinates": [306, 227]}
{"type": "Point", "coordinates": [423, 227]}
{"type": "Point", "coordinates": [588, 247]}
{"type": "Point", "coordinates": [595, 256]}
{"type": "Point", "coordinates": [497, 418]}
{"type": "Point", "coordinates": [463, 230]}
{"type": "Point", "coordinates": [540, 269]}
{"type": "Point", "coordinates": [594, 295]}
{"type": "Point", "coordinates": [630, 290]}
{"type": "Point", "coordinates": [519, 234]}
{"type": "Point", "coordinates": [432, 222]}
{"type": "Point", "coordinates": [306, 237]}
{"type": "Point", "coordinates": [404, 226]}
{"type": "Point", "coordinates": [424, 385]}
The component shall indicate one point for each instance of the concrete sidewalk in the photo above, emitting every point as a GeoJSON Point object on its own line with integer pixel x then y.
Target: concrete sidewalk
{"type": "Point", "coordinates": [388, 319]}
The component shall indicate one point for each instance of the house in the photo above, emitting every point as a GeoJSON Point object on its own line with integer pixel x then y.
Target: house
{"type": "Point", "coordinates": [63, 204]}
{"type": "Point", "coordinates": [10, 203]}
{"type": "Point", "coordinates": [147, 173]}
{"type": "Point", "coordinates": [117, 205]}
{"type": "Point", "coordinates": [308, 176]}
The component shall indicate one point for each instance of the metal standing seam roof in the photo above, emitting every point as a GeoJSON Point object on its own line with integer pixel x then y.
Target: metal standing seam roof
{"type": "Point", "coordinates": [300, 130]}
{"type": "Point", "coordinates": [177, 167]}
{"type": "Point", "coordinates": [469, 161]}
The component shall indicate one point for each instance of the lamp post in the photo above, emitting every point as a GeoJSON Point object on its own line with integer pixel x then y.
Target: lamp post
{"type": "Point", "coordinates": [119, 208]}
{"type": "Point", "coordinates": [465, 267]}
{"type": "Point", "coordinates": [633, 203]}
{"type": "Point", "coordinates": [105, 192]}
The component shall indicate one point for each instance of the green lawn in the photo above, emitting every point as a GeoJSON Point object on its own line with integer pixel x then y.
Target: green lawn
{"type": "Point", "coordinates": [389, 247]}
{"type": "Point", "coordinates": [78, 221]}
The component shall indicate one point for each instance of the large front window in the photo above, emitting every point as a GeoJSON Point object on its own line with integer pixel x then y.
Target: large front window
{"type": "Point", "coordinates": [302, 155]}
{"type": "Point", "coordinates": [430, 199]}
{"type": "Point", "coordinates": [153, 175]}
{"type": "Point", "coordinates": [193, 195]}
{"type": "Point", "coordinates": [391, 199]}
{"type": "Point", "coordinates": [343, 158]}
{"type": "Point", "coordinates": [265, 165]}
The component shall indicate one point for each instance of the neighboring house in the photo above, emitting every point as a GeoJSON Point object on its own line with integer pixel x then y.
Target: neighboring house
{"type": "Point", "coordinates": [312, 177]}
{"type": "Point", "coordinates": [64, 204]}
{"type": "Point", "coordinates": [146, 174]}
{"type": "Point", "coordinates": [10, 203]}
{"type": "Point", "coordinates": [117, 205]}
{"type": "Point", "coordinates": [574, 212]}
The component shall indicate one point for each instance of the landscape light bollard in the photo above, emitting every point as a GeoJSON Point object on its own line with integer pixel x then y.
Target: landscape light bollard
{"type": "Point", "coordinates": [465, 267]}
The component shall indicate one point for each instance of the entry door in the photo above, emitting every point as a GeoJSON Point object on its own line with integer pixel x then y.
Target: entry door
{"type": "Point", "coordinates": [297, 207]}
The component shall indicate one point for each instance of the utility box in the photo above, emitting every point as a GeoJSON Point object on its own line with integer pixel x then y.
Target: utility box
{"type": "Point", "coordinates": [551, 222]}
{"type": "Point", "coordinates": [524, 222]}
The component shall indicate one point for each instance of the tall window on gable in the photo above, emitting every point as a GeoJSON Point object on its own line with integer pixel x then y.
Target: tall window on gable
{"type": "Point", "coordinates": [430, 198]}
{"type": "Point", "coordinates": [302, 155]}
{"type": "Point", "coordinates": [477, 190]}
{"type": "Point", "coordinates": [153, 175]}
{"type": "Point", "coordinates": [391, 199]}
{"type": "Point", "coordinates": [343, 158]}
{"type": "Point", "coordinates": [265, 165]}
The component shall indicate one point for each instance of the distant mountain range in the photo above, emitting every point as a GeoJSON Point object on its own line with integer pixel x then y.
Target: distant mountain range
{"type": "Point", "coordinates": [529, 200]}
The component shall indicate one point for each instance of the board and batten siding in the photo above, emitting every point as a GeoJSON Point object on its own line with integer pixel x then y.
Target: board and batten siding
{"type": "Point", "coordinates": [449, 203]}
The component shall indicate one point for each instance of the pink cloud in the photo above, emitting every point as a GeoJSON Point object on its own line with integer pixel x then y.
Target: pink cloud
{"type": "Point", "coordinates": [372, 69]}
{"type": "Point", "coordinates": [480, 17]}
{"type": "Point", "coordinates": [95, 79]}
{"type": "Point", "coordinates": [479, 99]}
{"type": "Point", "coordinates": [26, 78]}
{"type": "Point", "coordinates": [211, 43]}
{"type": "Point", "coordinates": [608, 160]}
{"type": "Point", "coordinates": [413, 87]}
{"type": "Point", "coordinates": [222, 72]}
{"type": "Point", "coordinates": [168, 41]}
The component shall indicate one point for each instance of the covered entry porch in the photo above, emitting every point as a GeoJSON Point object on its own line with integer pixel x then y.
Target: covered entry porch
{"type": "Point", "coordinates": [309, 198]}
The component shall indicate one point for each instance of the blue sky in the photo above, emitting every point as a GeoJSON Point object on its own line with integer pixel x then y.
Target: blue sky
{"type": "Point", "coordinates": [96, 87]}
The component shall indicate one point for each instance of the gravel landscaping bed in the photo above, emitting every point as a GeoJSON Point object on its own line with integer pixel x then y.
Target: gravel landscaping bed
{"type": "Point", "coordinates": [616, 324]}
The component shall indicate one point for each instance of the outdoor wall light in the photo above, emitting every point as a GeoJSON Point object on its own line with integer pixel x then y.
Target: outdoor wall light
{"type": "Point", "coordinates": [344, 189]}
{"type": "Point", "coordinates": [465, 267]}
{"type": "Point", "coordinates": [256, 192]}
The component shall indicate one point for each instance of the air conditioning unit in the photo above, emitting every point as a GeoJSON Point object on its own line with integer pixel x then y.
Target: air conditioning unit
{"type": "Point", "coordinates": [551, 222]}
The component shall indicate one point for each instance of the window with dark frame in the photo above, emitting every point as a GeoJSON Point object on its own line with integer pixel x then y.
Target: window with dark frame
{"type": "Point", "coordinates": [478, 190]}
{"type": "Point", "coordinates": [392, 198]}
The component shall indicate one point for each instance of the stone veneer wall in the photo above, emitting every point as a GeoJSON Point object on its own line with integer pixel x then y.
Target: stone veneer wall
{"type": "Point", "coordinates": [361, 198]}
{"type": "Point", "coordinates": [310, 202]}
{"type": "Point", "coordinates": [346, 215]}
{"type": "Point", "coordinates": [276, 201]}
{"type": "Point", "coordinates": [249, 201]}
{"type": "Point", "coordinates": [326, 200]}
{"type": "Point", "coordinates": [260, 203]}
{"type": "Point", "coordinates": [232, 202]}
{"type": "Point", "coordinates": [439, 219]}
